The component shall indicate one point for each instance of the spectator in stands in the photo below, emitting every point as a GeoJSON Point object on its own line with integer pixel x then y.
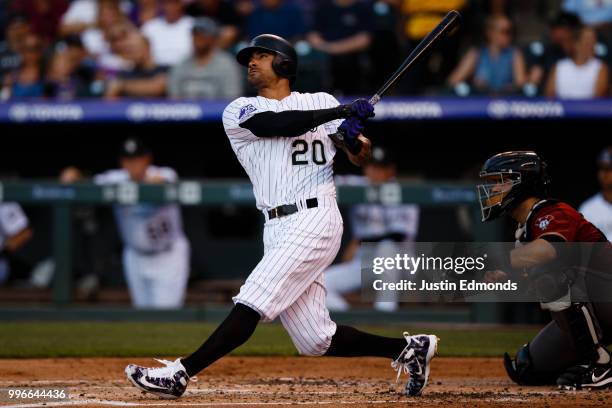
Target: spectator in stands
{"type": "Point", "coordinates": [83, 14]}
{"type": "Point", "coordinates": [17, 31]}
{"type": "Point", "coordinates": [27, 81]}
{"type": "Point", "coordinates": [145, 80]}
{"type": "Point", "coordinates": [342, 30]}
{"type": "Point", "coordinates": [277, 17]}
{"type": "Point", "coordinates": [72, 74]}
{"type": "Point", "coordinates": [44, 16]}
{"type": "Point", "coordinates": [95, 39]}
{"type": "Point", "coordinates": [541, 57]}
{"type": "Point", "coordinates": [59, 83]}
{"type": "Point", "coordinates": [582, 76]}
{"type": "Point", "coordinates": [384, 50]}
{"type": "Point", "coordinates": [497, 68]}
{"type": "Point", "coordinates": [418, 18]}
{"type": "Point", "coordinates": [598, 209]}
{"type": "Point", "coordinates": [224, 13]}
{"type": "Point", "coordinates": [211, 73]}
{"type": "Point", "coordinates": [145, 11]}
{"type": "Point", "coordinates": [170, 35]}
{"type": "Point", "coordinates": [592, 13]}
{"type": "Point", "coordinates": [115, 59]}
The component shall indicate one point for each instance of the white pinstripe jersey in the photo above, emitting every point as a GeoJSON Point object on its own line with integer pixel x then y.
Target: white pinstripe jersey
{"type": "Point", "coordinates": [146, 227]}
{"type": "Point", "coordinates": [284, 170]}
{"type": "Point", "coordinates": [12, 221]}
{"type": "Point", "coordinates": [372, 220]}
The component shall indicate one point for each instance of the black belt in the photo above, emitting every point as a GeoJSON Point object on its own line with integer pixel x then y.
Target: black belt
{"type": "Point", "coordinates": [152, 252]}
{"type": "Point", "coordinates": [288, 209]}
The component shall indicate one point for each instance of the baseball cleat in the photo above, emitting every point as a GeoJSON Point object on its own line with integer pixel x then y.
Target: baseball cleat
{"type": "Point", "coordinates": [415, 360]}
{"type": "Point", "coordinates": [594, 376]}
{"type": "Point", "coordinates": [166, 382]}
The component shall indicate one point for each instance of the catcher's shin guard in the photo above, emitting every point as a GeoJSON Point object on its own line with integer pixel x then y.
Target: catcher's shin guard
{"type": "Point", "coordinates": [520, 369]}
{"type": "Point", "coordinates": [580, 322]}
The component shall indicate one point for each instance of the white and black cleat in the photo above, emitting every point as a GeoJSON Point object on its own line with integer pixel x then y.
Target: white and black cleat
{"type": "Point", "coordinates": [594, 377]}
{"type": "Point", "coordinates": [415, 360]}
{"type": "Point", "coordinates": [166, 382]}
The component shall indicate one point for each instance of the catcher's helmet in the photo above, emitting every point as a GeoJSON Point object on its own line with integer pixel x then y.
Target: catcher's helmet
{"type": "Point", "coordinates": [285, 61]}
{"type": "Point", "coordinates": [510, 178]}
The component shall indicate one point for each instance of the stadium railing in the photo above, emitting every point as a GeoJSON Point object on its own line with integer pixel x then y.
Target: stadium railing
{"type": "Point", "coordinates": [390, 109]}
{"type": "Point", "coordinates": [64, 197]}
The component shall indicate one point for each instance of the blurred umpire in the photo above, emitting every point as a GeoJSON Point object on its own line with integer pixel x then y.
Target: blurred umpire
{"type": "Point", "coordinates": [156, 252]}
{"type": "Point", "coordinates": [571, 351]}
{"type": "Point", "coordinates": [598, 209]}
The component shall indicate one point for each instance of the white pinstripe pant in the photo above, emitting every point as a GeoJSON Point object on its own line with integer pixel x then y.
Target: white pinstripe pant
{"type": "Point", "coordinates": [288, 281]}
{"type": "Point", "coordinates": [160, 280]}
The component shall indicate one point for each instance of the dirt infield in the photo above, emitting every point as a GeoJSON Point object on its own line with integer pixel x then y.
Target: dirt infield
{"type": "Point", "coordinates": [286, 381]}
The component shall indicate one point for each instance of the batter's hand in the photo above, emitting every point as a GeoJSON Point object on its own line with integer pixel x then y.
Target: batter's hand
{"type": "Point", "coordinates": [350, 129]}
{"type": "Point", "coordinates": [359, 108]}
{"type": "Point", "coordinates": [346, 136]}
{"type": "Point", "coordinates": [365, 153]}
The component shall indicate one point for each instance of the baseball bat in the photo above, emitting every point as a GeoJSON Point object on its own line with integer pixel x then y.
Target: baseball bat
{"type": "Point", "coordinates": [448, 23]}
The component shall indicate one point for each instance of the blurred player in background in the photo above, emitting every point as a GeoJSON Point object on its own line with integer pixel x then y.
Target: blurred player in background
{"type": "Point", "coordinates": [156, 252]}
{"type": "Point", "coordinates": [571, 350]}
{"type": "Point", "coordinates": [14, 233]}
{"type": "Point", "coordinates": [371, 223]}
{"type": "Point", "coordinates": [598, 209]}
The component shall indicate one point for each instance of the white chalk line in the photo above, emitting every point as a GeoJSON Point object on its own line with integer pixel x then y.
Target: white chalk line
{"type": "Point", "coordinates": [196, 404]}
{"type": "Point", "coordinates": [47, 382]}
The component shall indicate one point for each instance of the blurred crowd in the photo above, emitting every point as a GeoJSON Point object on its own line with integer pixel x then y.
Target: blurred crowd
{"type": "Point", "coordinates": [184, 49]}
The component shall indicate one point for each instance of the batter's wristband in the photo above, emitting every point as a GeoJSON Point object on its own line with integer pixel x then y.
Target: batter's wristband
{"type": "Point", "coordinates": [321, 116]}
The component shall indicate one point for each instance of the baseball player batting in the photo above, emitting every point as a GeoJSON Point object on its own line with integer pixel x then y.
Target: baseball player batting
{"type": "Point", "coordinates": [282, 139]}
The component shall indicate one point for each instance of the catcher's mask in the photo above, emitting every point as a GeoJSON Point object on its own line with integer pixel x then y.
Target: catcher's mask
{"type": "Point", "coordinates": [508, 179]}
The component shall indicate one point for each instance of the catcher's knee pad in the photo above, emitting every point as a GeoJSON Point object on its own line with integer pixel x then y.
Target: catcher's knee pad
{"type": "Point", "coordinates": [521, 370]}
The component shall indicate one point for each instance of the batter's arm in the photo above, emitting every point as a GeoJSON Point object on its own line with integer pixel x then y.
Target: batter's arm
{"type": "Point", "coordinates": [295, 123]}
{"type": "Point", "coordinates": [289, 123]}
{"type": "Point", "coordinates": [365, 152]}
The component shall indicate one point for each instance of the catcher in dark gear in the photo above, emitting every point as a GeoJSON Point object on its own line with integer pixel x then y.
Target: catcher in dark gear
{"type": "Point", "coordinates": [571, 350]}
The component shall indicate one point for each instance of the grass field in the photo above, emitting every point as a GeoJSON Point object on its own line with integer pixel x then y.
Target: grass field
{"type": "Point", "coordinates": [118, 339]}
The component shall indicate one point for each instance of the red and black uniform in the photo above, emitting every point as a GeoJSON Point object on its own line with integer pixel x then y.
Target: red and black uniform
{"type": "Point", "coordinates": [552, 351]}
{"type": "Point", "coordinates": [556, 221]}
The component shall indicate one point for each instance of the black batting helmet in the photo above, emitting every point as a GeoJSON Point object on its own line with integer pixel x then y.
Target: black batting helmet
{"type": "Point", "coordinates": [285, 61]}
{"type": "Point", "coordinates": [510, 178]}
